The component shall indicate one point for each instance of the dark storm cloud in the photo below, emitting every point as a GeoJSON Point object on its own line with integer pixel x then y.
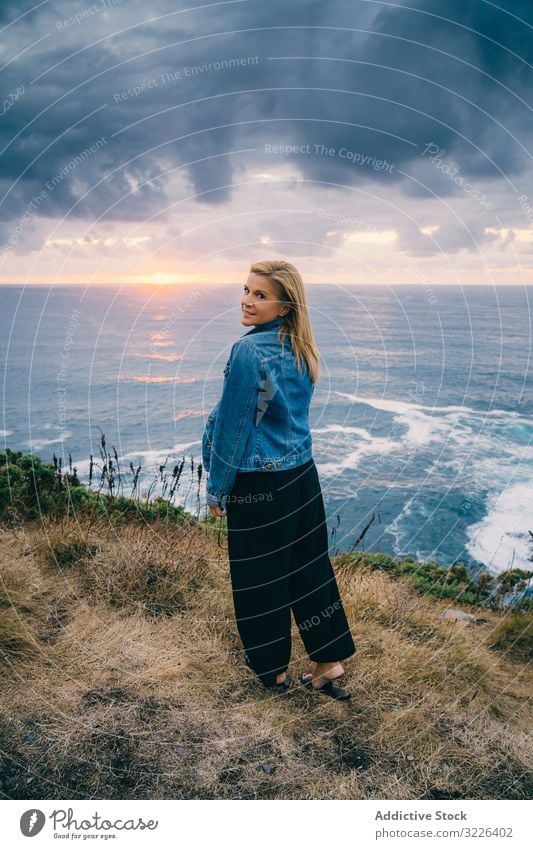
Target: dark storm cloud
{"type": "Point", "coordinates": [380, 82]}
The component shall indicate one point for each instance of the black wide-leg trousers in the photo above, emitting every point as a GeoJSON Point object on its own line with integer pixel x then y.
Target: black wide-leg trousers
{"type": "Point", "coordinates": [278, 552]}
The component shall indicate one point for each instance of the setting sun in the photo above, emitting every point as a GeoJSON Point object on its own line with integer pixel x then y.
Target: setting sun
{"type": "Point", "coordinates": [159, 278]}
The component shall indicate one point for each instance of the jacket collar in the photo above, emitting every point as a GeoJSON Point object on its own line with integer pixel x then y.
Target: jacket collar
{"type": "Point", "coordinates": [268, 325]}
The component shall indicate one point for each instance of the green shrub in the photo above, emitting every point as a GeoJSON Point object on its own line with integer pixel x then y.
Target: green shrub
{"type": "Point", "coordinates": [381, 561]}
{"type": "Point", "coordinates": [123, 510]}
{"type": "Point", "coordinates": [30, 488]}
{"type": "Point", "coordinates": [427, 577]}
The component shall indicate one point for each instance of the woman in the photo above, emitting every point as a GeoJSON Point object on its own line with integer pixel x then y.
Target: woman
{"type": "Point", "coordinates": [257, 450]}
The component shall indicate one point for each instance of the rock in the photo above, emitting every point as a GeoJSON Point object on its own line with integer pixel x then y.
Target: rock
{"type": "Point", "coordinates": [268, 768]}
{"type": "Point", "coordinates": [461, 616]}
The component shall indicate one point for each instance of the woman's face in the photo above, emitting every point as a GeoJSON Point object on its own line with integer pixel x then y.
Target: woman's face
{"type": "Point", "coordinates": [259, 301]}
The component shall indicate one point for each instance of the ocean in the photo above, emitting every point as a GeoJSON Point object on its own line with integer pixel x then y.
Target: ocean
{"type": "Point", "coordinates": [422, 420]}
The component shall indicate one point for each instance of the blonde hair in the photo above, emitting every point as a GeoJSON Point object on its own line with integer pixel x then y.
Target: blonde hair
{"type": "Point", "coordinates": [289, 288]}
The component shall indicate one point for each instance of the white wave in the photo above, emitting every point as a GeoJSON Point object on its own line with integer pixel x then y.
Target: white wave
{"type": "Point", "coordinates": [501, 540]}
{"type": "Point", "coordinates": [392, 405]}
{"type": "Point", "coordinates": [420, 430]}
{"type": "Point", "coordinates": [371, 445]}
{"type": "Point", "coordinates": [375, 445]}
{"type": "Point", "coordinates": [395, 527]}
{"type": "Point", "coordinates": [454, 447]}
{"type": "Point", "coordinates": [453, 428]}
{"type": "Point", "coordinates": [338, 428]}
{"type": "Point", "coordinates": [82, 468]}
{"type": "Point", "coordinates": [157, 458]}
{"type": "Point", "coordinates": [148, 460]}
{"type": "Point", "coordinates": [6, 432]}
{"type": "Point", "coordinates": [38, 444]}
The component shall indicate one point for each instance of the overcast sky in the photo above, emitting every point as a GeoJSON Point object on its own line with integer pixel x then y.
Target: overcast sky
{"type": "Point", "coordinates": [364, 141]}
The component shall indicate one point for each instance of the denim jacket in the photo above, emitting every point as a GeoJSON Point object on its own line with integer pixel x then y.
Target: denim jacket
{"type": "Point", "coordinates": [261, 421]}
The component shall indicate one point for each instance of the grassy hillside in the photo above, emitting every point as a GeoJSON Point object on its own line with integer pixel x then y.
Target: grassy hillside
{"type": "Point", "coordinates": [123, 677]}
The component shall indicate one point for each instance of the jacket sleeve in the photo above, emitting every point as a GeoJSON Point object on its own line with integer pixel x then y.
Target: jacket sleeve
{"type": "Point", "coordinates": [207, 438]}
{"type": "Point", "coordinates": [234, 421]}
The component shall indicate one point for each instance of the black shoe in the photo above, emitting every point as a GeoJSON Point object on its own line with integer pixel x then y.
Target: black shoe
{"type": "Point", "coordinates": [283, 686]}
{"type": "Point", "coordinates": [329, 688]}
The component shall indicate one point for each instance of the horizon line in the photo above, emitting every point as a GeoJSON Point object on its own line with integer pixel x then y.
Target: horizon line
{"type": "Point", "coordinates": [239, 282]}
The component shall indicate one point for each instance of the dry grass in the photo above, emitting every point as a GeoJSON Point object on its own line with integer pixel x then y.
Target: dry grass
{"type": "Point", "coordinates": [514, 635]}
{"type": "Point", "coordinates": [123, 678]}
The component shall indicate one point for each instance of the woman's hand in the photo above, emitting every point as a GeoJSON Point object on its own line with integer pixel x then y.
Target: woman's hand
{"type": "Point", "coordinates": [216, 511]}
